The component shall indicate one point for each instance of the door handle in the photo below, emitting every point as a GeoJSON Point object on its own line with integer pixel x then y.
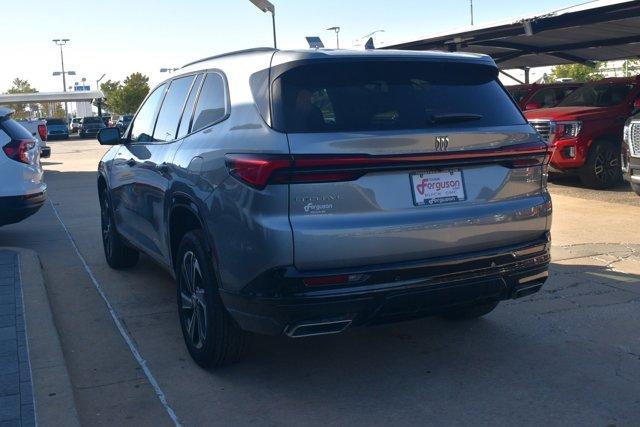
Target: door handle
{"type": "Point", "coordinates": [131, 162]}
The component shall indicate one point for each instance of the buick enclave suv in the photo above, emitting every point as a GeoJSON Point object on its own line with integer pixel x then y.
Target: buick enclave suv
{"type": "Point", "coordinates": [305, 192]}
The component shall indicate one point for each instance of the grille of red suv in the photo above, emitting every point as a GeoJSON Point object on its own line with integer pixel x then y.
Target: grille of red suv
{"type": "Point", "coordinates": [543, 127]}
{"type": "Point", "coordinates": [634, 139]}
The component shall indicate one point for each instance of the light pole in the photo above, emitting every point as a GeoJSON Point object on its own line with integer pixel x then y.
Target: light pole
{"type": "Point", "coordinates": [266, 6]}
{"type": "Point", "coordinates": [471, 5]}
{"type": "Point", "coordinates": [62, 42]}
{"type": "Point", "coordinates": [337, 31]}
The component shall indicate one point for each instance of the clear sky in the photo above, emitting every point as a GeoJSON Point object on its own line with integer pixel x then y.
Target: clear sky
{"type": "Point", "coordinates": [118, 37]}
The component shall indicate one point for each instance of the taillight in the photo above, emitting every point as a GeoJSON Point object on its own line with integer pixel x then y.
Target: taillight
{"type": "Point", "coordinates": [19, 150]}
{"type": "Point", "coordinates": [42, 131]}
{"type": "Point", "coordinates": [259, 170]}
{"type": "Point", "coordinates": [256, 170]}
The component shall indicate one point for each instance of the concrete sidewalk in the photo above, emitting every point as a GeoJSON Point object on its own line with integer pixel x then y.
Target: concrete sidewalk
{"type": "Point", "coordinates": [34, 384]}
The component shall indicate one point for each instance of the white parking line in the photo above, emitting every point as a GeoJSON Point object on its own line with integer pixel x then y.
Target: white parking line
{"type": "Point", "coordinates": [116, 319]}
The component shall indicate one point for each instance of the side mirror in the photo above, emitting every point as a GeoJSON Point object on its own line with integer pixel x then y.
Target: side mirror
{"type": "Point", "coordinates": [109, 136]}
{"type": "Point", "coordinates": [532, 106]}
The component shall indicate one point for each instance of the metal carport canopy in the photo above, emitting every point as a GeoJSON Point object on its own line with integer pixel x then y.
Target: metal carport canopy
{"type": "Point", "coordinates": [600, 30]}
{"type": "Point", "coordinates": [51, 97]}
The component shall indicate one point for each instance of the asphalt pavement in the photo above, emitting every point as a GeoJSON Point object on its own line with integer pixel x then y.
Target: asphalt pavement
{"type": "Point", "coordinates": [567, 355]}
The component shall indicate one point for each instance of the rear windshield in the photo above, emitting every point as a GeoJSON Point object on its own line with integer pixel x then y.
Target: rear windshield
{"type": "Point", "coordinates": [390, 95]}
{"type": "Point", "coordinates": [14, 129]}
{"type": "Point", "coordinates": [598, 95]}
{"type": "Point", "coordinates": [56, 122]}
{"type": "Point", "coordinates": [92, 120]}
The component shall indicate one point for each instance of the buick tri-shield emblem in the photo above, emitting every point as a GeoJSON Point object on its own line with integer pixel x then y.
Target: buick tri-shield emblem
{"type": "Point", "coordinates": [442, 143]}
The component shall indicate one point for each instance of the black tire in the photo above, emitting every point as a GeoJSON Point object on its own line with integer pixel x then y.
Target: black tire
{"type": "Point", "coordinates": [635, 188]}
{"type": "Point", "coordinates": [471, 312]}
{"type": "Point", "coordinates": [602, 169]}
{"type": "Point", "coordinates": [119, 255]}
{"type": "Point", "coordinates": [211, 335]}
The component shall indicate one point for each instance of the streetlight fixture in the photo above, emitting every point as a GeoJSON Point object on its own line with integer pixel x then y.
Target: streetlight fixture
{"type": "Point", "coordinates": [337, 31]}
{"type": "Point", "coordinates": [168, 70]}
{"type": "Point", "coordinates": [266, 6]}
{"type": "Point", "coordinates": [358, 42]}
{"type": "Point", "coordinates": [99, 80]}
{"type": "Point", "coordinates": [63, 42]}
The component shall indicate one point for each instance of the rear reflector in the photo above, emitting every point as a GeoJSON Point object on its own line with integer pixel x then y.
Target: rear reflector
{"type": "Point", "coordinates": [334, 280]}
{"type": "Point", "coordinates": [18, 150]}
{"type": "Point", "coordinates": [258, 170]}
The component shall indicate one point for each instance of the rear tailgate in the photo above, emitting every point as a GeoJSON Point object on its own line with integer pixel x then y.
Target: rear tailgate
{"type": "Point", "coordinates": [368, 188]}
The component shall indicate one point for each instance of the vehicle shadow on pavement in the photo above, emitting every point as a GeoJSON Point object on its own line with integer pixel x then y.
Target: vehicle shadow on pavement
{"type": "Point", "coordinates": [574, 181]}
{"type": "Point", "coordinates": [551, 349]}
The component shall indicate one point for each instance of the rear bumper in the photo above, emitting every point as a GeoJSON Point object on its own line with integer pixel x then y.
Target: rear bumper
{"type": "Point", "coordinates": [279, 303]}
{"type": "Point", "coordinates": [16, 208]}
{"type": "Point", "coordinates": [45, 152]}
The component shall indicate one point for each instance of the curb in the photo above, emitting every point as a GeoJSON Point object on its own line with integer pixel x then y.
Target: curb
{"type": "Point", "coordinates": [53, 393]}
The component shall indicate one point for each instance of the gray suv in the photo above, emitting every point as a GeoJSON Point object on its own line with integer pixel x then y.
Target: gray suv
{"type": "Point", "coordinates": [305, 192]}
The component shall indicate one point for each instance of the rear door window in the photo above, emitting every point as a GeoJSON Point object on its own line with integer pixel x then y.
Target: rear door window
{"type": "Point", "coordinates": [185, 121]}
{"type": "Point", "coordinates": [169, 115]}
{"type": "Point", "coordinates": [212, 102]}
{"type": "Point", "coordinates": [142, 128]}
{"type": "Point", "coordinates": [346, 96]}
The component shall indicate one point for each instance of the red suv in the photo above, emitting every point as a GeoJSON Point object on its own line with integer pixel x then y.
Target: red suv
{"type": "Point", "coordinates": [534, 96]}
{"type": "Point", "coordinates": [586, 129]}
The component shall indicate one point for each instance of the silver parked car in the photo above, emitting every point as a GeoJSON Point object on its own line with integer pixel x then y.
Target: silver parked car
{"type": "Point", "coordinates": [304, 192]}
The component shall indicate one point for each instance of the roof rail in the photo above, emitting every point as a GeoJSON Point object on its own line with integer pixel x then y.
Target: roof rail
{"type": "Point", "coordinates": [5, 112]}
{"type": "Point", "coordinates": [237, 52]}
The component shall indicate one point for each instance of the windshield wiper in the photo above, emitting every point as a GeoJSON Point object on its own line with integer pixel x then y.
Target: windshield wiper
{"type": "Point", "coordinates": [453, 118]}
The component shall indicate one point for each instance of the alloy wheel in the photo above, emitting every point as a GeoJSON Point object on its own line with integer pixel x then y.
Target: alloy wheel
{"type": "Point", "coordinates": [606, 165]}
{"type": "Point", "coordinates": [193, 306]}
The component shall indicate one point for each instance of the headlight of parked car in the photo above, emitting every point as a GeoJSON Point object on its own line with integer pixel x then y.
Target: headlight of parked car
{"type": "Point", "coordinates": [567, 129]}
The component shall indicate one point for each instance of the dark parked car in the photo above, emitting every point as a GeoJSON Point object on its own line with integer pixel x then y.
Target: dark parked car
{"type": "Point", "coordinates": [300, 193]}
{"type": "Point", "coordinates": [631, 151]}
{"type": "Point", "coordinates": [90, 126]}
{"type": "Point", "coordinates": [57, 128]}
{"type": "Point", "coordinates": [535, 96]}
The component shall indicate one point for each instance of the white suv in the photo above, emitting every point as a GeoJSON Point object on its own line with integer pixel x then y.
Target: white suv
{"type": "Point", "coordinates": [22, 189]}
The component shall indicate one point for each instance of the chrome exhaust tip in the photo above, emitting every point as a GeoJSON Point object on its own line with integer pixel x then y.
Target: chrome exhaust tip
{"type": "Point", "coordinates": [319, 328]}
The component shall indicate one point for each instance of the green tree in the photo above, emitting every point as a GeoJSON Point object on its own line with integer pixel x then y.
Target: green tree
{"type": "Point", "coordinates": [52, 109]}
{"type": "Point", "coordinates": [110, 89]}
{"type": "Point", "coordinates": [22, 86]}
{"type": "Point", "coordinates": [134, 89]}
{"type": "Point", "coordinates": [577, 72]}
{"type": "Point", "coordinates": [125, 97]}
